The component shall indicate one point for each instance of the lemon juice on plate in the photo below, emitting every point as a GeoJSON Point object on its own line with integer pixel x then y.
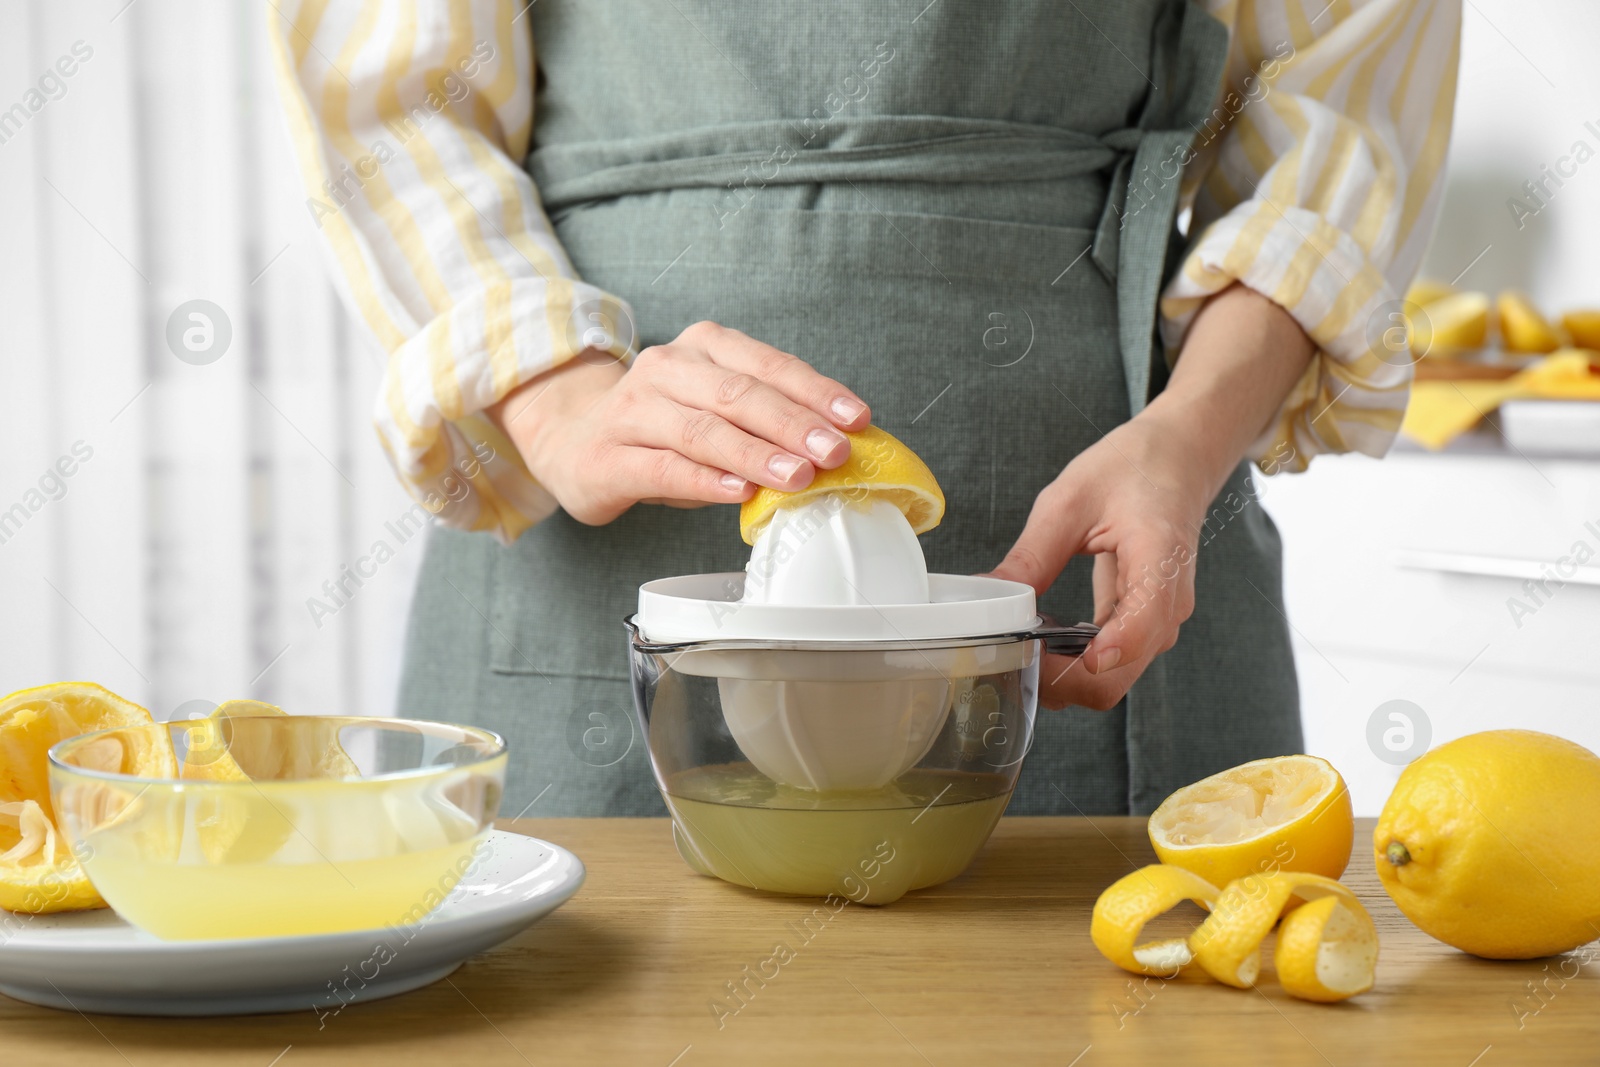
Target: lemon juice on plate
{"type": "Point", "coordinates": [268, 825]}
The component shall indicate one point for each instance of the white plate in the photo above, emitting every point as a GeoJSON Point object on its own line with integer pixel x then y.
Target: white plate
{"type": "Point", "coordinates": [96, 962]}
{"type": "Point", "coordinates": [1552, 427]}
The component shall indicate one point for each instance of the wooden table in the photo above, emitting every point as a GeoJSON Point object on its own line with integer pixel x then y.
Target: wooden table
{"type": "Point", "coordinates": [995, 967]}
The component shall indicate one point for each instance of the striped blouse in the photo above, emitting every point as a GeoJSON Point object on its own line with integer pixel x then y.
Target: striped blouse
{"type": "Point", "coordinates": [1314, 182]}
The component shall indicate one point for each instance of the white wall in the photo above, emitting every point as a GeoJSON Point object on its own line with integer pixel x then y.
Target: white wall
{"type": "Point", "coordinates": [218, 497]}
{"type": "Point", "coordinates": [1528, 86]}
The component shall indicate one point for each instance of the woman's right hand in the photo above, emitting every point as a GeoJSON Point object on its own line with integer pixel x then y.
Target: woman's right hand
{"type": "Point", "coordinates": [700, 420]}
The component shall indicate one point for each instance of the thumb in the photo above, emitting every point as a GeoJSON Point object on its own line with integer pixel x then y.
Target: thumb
{"type": "Point", "coordinates": [1056, 530]}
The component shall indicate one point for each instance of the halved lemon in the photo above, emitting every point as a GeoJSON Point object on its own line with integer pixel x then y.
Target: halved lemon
{"type": "Point", "coordinates": [880, 467]}
{"type": "Point", "coordinates": [1283, 813]}
{"type": "Point", "coordinates": [38, 873]}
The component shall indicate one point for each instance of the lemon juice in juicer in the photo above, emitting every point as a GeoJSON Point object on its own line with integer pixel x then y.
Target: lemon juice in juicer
{"type": "Point", "coordinates": [836, 719]}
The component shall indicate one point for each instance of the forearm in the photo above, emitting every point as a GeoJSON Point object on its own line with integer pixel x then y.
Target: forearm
{"type": "Point", "coordinates": [1241, 357]}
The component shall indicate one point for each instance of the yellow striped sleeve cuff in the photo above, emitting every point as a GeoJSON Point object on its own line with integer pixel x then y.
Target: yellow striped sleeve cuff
{"type": "Point", "coordinates": [1352, 397]}
{"type": "Point", "coordinates": [428, 411]}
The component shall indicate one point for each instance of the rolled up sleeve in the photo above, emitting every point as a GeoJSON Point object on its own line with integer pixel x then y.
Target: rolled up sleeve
{"type": "Point", "coordinates": [407, 122]}
{"type": "Point", "coordinates": [1316, 183]}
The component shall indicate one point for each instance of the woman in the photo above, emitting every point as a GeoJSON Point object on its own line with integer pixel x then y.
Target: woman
{"type": "Point", "coordinates": [961, 214]}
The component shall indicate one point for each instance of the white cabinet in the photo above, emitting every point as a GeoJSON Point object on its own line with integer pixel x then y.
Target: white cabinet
{"type": "Point", "coordinates": [1466, 582]}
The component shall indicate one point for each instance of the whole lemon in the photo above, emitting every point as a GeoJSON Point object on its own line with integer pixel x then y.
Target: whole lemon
{"type": "Point", "coordinates": [1488, 843]}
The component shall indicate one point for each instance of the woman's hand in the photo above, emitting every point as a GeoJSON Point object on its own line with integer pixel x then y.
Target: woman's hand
{"type": "Point", "coordinates": [1137, 498]}
{"type": "Point", "coordinates": [692, 422]}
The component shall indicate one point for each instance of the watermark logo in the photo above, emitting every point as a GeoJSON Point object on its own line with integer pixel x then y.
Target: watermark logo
{"type": "Point", "coordinates": [603, 325]}
{"type": "Point", "coordinates": [1398, 731]}
{"type": "Point", "coordinates": [190, 710]}
{"type": "Point", "coordinates": [199, 332]}
{"type": "Point", "coordinates": [51, 86]}
{"type": "Point", "coordinates": [1538, 192]}
{"type": "Point", "coordinates": [350, 984]}
{"type": "Point", "coordinates": [600, 733]}
{"type": "Point", "coordinates": [1007, 337]}
{"type": "Point", "coordinates": [208, 740]}
{"type": "Point", "coordinates": [50, 487]}
{"type": "Point", "coordinates": [738, 992]}
{"type": "Point", "coordinates": [1394, 330]}
{"type": "Point", "coordinates": [1556, 574]}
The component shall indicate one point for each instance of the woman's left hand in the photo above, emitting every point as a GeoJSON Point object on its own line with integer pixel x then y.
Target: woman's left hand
{"type": "Point", "coordinates": [1137, 498]}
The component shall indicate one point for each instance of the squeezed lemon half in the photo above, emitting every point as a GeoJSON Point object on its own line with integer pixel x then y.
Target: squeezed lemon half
{"type": "Point", "coordinates": [1287, 813]}
{"type": "Point", "coordinates": [38, 872]}
{"type": "Point", "coordinates": [880, 467]}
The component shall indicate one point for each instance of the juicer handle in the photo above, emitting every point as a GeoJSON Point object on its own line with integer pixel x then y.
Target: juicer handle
{"type": "Point", "coordinates": [1062, 640]}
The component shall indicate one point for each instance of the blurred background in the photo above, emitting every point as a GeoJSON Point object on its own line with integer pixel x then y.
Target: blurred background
{"type": "Point", "coordinates": [207, 527]}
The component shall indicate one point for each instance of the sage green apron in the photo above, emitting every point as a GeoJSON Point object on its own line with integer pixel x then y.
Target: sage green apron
{"type": "Point", "coordinates": [962, 210]}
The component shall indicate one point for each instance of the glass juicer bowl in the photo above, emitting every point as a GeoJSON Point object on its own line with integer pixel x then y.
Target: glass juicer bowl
{"type": "Point", "coordinates": [868, 753]}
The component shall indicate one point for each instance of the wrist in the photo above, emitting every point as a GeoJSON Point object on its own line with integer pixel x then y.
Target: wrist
{"type": "Point", "coordinates": [535, 414]}
{"type": "Point", "coordinates": [1189, 426]}
{"type": "Point", "coordinates": [1241, 359]}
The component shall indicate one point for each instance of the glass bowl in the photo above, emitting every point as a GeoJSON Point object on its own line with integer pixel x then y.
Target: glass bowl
{"type": "Point", "coordinates": [864, 770]}
{"type": "Point", "coordinates": [277, 825]}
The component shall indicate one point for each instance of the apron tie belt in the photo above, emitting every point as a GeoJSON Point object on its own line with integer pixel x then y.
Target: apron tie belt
{"type": "Point", "coordinates": [1130, 234]}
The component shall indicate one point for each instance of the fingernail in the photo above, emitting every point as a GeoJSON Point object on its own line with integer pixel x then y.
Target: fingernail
{"type": "Point", "coordinates": [733, 483]}
{"type": "Point", "coordinates": [847, 410]}
{"type": "Point", "coordinates": [784, 467]}
{"type": "Point", "coordinates": [823, 443]}
{"type": "Point", "coordinates": [1107, 659]}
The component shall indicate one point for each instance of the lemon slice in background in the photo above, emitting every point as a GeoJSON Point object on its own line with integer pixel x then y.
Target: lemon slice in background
{"type": "Point", "coordinates": [1523, 328]}
{"type": "Point", "coordinates": [1132, 901]}
{"type": "Point", "coordinates": [880, 467]}
{"type": "Point", "coordinates": [1330, 954]}
{"type": "Point", "coordinates": [38, 872]}
{"type": "Point", "coordinates": [1583, 327]}
{"type": "Point", "coordinates": [1425, 291]}
{"type": "Point", "coordinates": [1450, 325]}
{"type": "Point", "coordinates": [1288, 813]}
